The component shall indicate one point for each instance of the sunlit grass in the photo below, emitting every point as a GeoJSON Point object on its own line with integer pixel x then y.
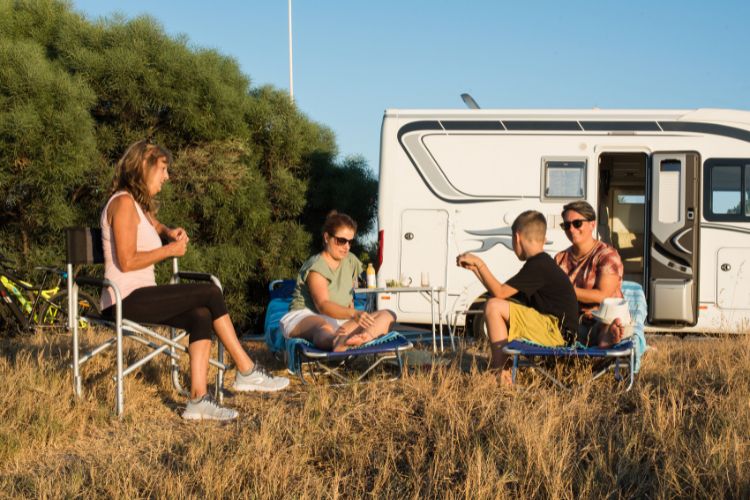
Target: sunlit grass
{"type": "Point", "coordinates": [446, 432]}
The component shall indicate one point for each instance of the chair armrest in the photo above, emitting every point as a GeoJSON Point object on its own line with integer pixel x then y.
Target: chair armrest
{"type": "Point", "coordinates": [100, 282]}
{"type": "Point", "coordinates": [88, 280]}
{"type": "Point", "coordinates": [195, 276]}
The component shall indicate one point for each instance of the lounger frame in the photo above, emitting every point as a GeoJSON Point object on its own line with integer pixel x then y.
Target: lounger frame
{"type": "Point", "coordinates": [619, 358]}
{"type": "Point", "coordinates": [317, 361]}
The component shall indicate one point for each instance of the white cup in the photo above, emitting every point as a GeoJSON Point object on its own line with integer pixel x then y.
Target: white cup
{"type": "Point", "coordinates": [424, 279]}
{"type": "Point", "coordinates": [405, 280]}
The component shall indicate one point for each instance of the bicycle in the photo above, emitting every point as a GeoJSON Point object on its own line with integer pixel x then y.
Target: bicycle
{"type": "Point", "coordinates": [26, 306]}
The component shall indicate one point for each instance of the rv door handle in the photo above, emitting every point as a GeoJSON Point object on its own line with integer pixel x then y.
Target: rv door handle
{"type": "Point", "coordinates": [409, 236]}
{"type": "Point", "coordinates": [726, 267]}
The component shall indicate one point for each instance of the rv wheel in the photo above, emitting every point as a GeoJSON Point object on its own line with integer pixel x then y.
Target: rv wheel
{"type": "Point", "coordinates": [476, 317]}
{"type": "Point", "coordinates": [479, 328]}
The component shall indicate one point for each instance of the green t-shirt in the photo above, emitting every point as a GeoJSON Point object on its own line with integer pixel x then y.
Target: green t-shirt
{"type": "Point", "coordinates": [341, 282]}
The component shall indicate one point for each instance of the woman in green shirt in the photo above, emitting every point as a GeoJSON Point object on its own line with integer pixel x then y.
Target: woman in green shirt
{"type": "Point", "coordinates": [322, 309]}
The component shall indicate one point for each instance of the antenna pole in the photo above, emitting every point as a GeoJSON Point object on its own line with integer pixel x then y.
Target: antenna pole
{"type": "Point", "coordinates": [291, 73]}
{"type": "Point", "coordinates": [468, 100]}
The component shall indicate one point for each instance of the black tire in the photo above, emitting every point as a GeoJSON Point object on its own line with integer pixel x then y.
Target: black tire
{"type": "Point", "coordinates": [9, 325]}
{"type": "Point", "coordinates": [478, 325]}
{"type": "Point", "coordinates": [55, 311]}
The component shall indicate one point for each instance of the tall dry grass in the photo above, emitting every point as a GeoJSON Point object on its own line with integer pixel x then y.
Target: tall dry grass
{"type": "Point", "coordinates": [682, 431]}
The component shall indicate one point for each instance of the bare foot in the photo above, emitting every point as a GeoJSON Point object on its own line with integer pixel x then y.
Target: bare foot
{"type": "Point", "coordinates": [505, 379]}
{"type": "Point", "coordinates": [360, 338]}
{"type": "Point", "coordinates": [339, 343]}
{"type": "Point", "coordinates": [613, 335]}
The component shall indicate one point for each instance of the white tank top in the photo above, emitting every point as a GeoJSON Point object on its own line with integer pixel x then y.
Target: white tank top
{"type": "Point", "coordinates": [146, 239]}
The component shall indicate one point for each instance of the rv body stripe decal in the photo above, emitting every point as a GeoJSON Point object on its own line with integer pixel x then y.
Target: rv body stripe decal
{"type": "Point", "coordinates": [436, 181]}
{"type": "Point", "coordinates": [541, 125]}
{"type": "Point", "coordinates": [707, 128]}
{"type": "Point", "coordinates": [721, 227]}
{"type": "Point", "coordinates": [471, 126]}
{"type": "Point", "coordinates": [620, 126]}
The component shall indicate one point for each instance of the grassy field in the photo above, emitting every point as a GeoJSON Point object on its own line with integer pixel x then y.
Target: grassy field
{"type": "Point", "coordinates": [446, 432]}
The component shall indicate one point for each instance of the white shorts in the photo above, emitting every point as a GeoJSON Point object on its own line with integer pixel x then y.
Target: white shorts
{"type": "Point", "coordinates": [290, 320]}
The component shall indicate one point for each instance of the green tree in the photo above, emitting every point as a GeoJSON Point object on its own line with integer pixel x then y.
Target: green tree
{"type": "Point", "coordinates": [46, 148]}
{"type": "Point", "coordinates": [348, 187]}
{"type": "Point", "coordinates": [252, 176]}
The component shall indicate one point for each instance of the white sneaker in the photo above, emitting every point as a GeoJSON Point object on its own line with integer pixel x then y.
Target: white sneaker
{"type": "Point", "coordinates": [259, 380]}
{"type": "Point", "coordinates": [207, 408]}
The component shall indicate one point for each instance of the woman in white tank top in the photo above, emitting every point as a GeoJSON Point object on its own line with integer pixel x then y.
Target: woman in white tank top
{"type": "Point", "coordinates": [131, 236]}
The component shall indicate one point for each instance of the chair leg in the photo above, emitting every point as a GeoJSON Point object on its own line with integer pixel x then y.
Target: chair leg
{"type": "Point", "coordinates": [76, 347]}
{"type": "Point", "coordinates": [219, 391]}
{"type": "Point", "coordinates": [176, 383]}
{"type": "Point", "coordinates": [120, 397]}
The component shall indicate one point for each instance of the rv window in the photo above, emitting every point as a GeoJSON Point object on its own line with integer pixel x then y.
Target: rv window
{"type": "Point", "coordinates": [669, 196]}
{"type": "Point", "coordinates": [631, 199]}
{"type": "Point", "coordinates": [564, 179]}
{"type": "Point", "coordinates": [727, 190]}
{"type": "Point", "coordinates": [726, 194]}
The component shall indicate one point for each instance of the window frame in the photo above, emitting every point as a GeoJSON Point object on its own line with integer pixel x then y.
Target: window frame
{"type": "Point", "coordinates": [564, 159]}
{"type": "Point", "coordinates": [744, 187]}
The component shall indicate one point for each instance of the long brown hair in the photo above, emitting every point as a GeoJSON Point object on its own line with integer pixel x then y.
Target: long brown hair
{"type": "Point", "coordinates": [132, 170]}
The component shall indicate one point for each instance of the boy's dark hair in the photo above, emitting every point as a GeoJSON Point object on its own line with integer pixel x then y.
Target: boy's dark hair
{"type": "Point", "coordinates": [531, 225]}
{"type": "Point", "coordinates": [582, 207]}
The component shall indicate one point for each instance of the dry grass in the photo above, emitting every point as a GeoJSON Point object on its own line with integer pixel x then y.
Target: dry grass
{"type": "Point", "coordinates": [682, 431]}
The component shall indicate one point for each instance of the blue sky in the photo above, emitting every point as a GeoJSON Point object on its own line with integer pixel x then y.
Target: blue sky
{"type": "Point", "coordinates": [353, 60]}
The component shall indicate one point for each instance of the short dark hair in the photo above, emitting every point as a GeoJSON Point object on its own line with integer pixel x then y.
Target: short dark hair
{"type": "Point", "coordinates": [582, 207]}
{"type": "Point", "coordinates": [531, 225]}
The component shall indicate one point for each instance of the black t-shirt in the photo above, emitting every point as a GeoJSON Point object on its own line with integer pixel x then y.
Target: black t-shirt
{"type": "Point", "coordinates": [542, 285]}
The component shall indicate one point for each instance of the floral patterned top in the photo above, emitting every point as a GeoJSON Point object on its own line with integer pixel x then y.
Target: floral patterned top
{"type": "Point", "coordinates": [585, 271]}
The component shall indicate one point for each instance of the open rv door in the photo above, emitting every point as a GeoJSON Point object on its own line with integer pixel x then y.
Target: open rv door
{"type": "Point", "coordinates": [673, 240]}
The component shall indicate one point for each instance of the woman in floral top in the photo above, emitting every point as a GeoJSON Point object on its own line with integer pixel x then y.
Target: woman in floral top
{"type": "Point", "coordinates": [594, 268]}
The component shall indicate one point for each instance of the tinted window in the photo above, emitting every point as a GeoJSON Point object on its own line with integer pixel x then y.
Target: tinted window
{"type": "Point", "coordinates": [726, 186]}
{"type": "Point", "coordinates": [727, 189]}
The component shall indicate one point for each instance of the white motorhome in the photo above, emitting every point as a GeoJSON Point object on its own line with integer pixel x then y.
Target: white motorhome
{"type": "Point", "coordinates": [671, 189]}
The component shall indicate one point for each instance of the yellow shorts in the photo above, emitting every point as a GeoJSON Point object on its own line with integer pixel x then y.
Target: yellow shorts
{"type": "Point", "coordinates": [529, 324]}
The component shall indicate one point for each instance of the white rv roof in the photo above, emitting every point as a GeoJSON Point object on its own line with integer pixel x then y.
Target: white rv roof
{"type": "Point", "coordinates": [703, 115]}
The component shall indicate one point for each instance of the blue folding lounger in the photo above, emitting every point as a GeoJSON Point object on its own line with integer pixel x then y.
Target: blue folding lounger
{"type": "Point", "coordinates": [624, 357]}
{"type": "Point", "coordinates": [301, 354]}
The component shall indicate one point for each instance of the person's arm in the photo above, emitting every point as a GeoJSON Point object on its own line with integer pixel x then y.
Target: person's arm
{"type": "Point", "coordinates": [164, 231]}
{"type": "Point", "coordinates": [123, 218]}
{"type": "Point", "coordinates": [608, 275]}
{"type": "Point", "coordinates": [479, 268]}
{"type": "Point", "coordinates": [318, 286]}
{"type": "Point", "coordinates": [606, 286]}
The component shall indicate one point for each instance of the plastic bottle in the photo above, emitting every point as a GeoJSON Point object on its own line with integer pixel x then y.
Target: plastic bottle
{"type": "Point", "coordinates": [370, 276]}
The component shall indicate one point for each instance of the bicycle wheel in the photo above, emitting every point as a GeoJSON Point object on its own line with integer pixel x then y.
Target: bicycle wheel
{"type": "Point", "coordinates": [9, 324]}
{"type": "Point", "coordinates": [55, 311]}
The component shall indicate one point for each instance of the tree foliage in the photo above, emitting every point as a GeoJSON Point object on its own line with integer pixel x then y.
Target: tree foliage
{"type": "Point", "coordinates": [252, 177]}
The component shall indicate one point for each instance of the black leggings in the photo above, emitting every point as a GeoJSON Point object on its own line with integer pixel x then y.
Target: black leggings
{"type": "Point", "coordinates": [188, 306]}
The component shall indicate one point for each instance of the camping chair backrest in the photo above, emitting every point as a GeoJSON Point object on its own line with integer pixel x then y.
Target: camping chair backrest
{"type": "Point", "coordinates": [83, 245]}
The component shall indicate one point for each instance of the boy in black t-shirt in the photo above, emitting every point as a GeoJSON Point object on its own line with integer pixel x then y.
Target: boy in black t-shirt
{"type": "Point", "coordinates": [544, 309]}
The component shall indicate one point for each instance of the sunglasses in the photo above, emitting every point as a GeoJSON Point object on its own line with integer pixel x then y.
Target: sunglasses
{"type": "Point", "coordinates": [342, 241]}
{"type": "Point", "coordinates": [575, 223]}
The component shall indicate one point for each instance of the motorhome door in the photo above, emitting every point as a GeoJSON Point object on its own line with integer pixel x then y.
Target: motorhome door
{"type": "Point", "coordinates": [673, 239]}
{"type": "Point", "coordinates": [424, 252]}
